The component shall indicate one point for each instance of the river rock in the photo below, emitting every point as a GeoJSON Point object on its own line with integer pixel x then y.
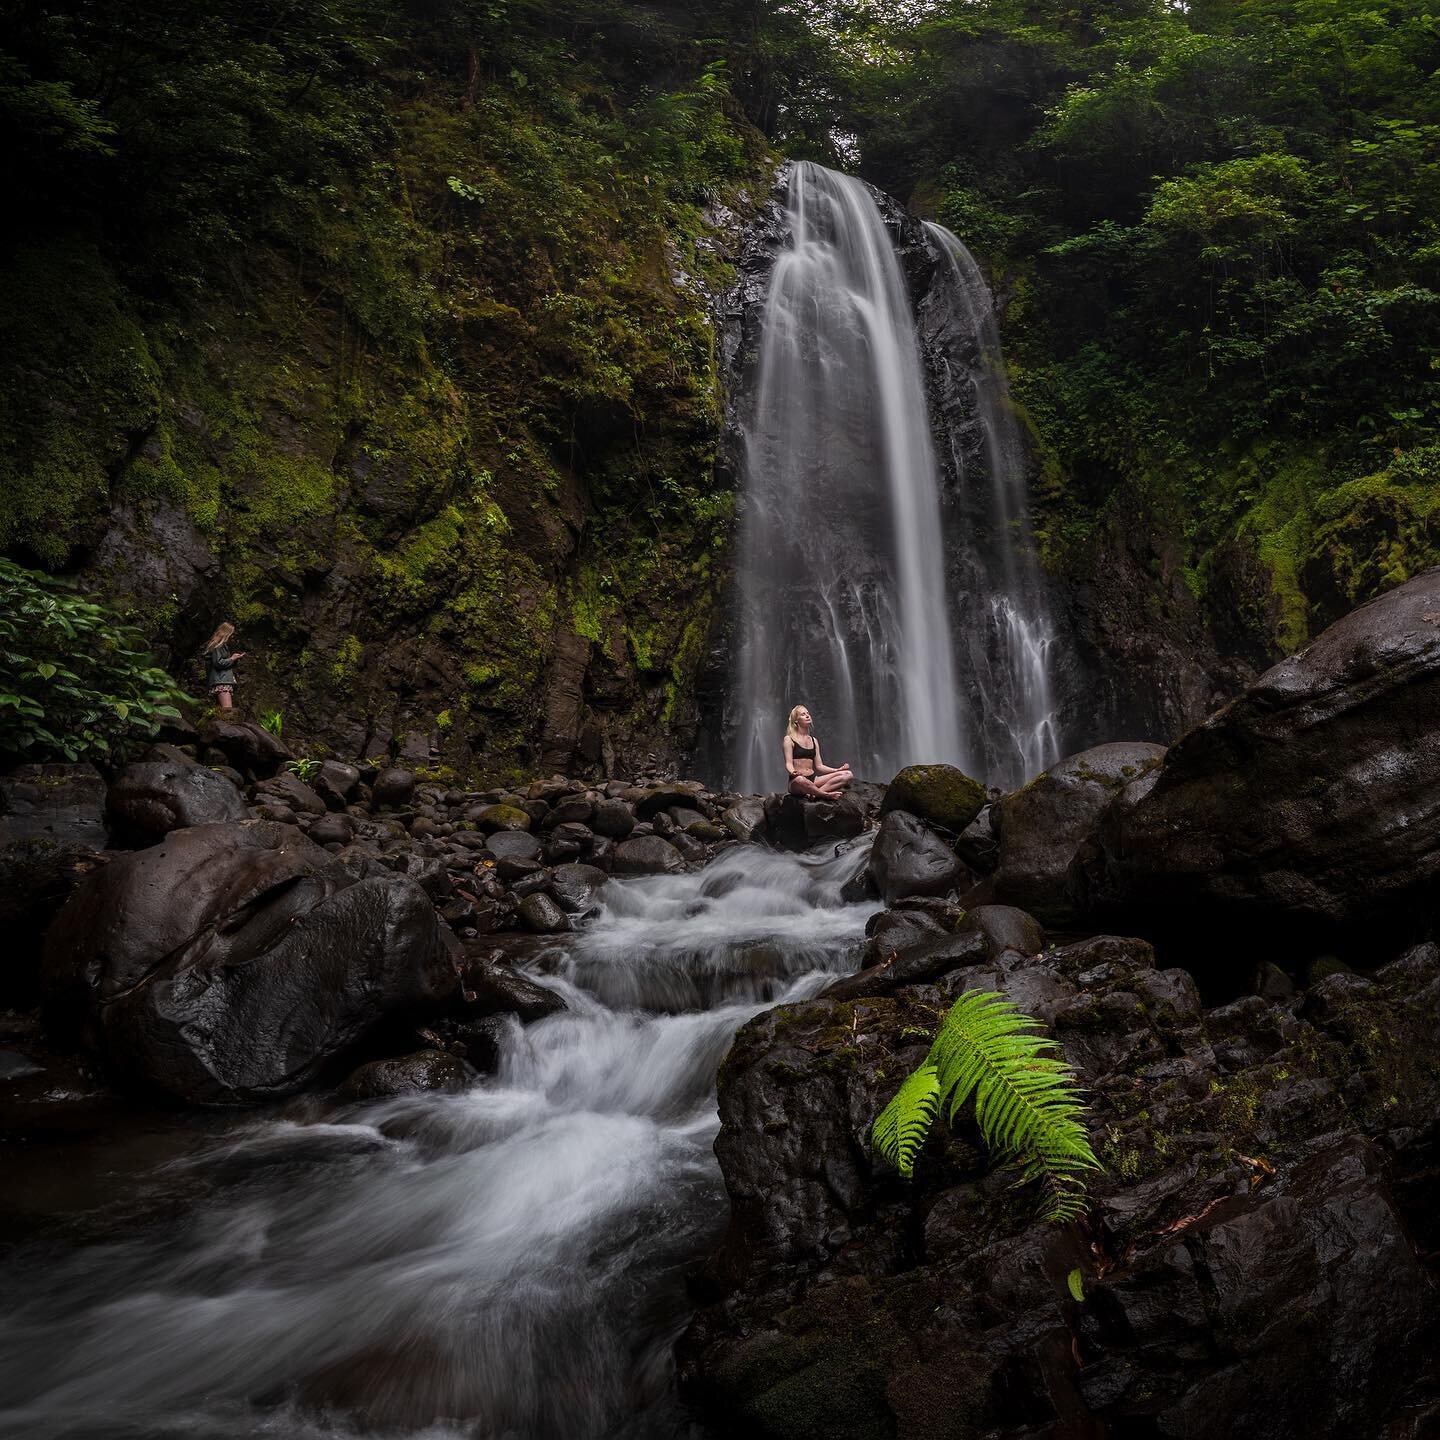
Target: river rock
{"type": "Point", "coordinates": [613, 818]}
{"type": "Point", "coordinates": [52, 830]}
{"type": "Point", "coordinates": [333, 829]}
{"type": "Point", "coordinates": [234, 962]}
{"type": "Point", "coordinates": [501, 818]}
{"type": "Point", "coordinates": [575, 887]}
{"type": "Point", "coordinates": [646, 855]}
{"type": "Point", "coordinates": [513, 845]}
{"type": "Point", "coordinates": [149, 799]}
{"type": "Point", "coordinates": [289, 789]}
{"type": "Point", "coordinates": [1240, 1191]}
{"type": "Point", "coordinates": [492, 987]}
{"type": "Point", "coordinates": [1310, 802]}
{"type": "Point", "coordinates": [540, 914]}
{"type": "Point", "coordinates": [908, 858]}
{"type": "Point", "coordinates": [336, 783]}
{"type": "Point", "coordinates": [940, 794]}
{"type": "Point", "coordinates": [796, 823]}
{"type": "Point", "coordinates": [426, 1072]}
{"type": "Point", "coordinates": [250, 748]}
{"type": "Point", "coordinates": [744, 818]}
{"type": "Point", "coordinates": [1043, 824]}
{"type": "Point", "coordinates": [393, 787]}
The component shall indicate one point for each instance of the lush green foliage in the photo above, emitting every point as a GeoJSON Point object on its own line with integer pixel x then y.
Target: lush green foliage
{"type": "Point", "coordinates": [1218, 230]}
{"type": "Point", "coordinates": [74, 681]}
{"type": "Point", "coordinates": [1026, 1102]}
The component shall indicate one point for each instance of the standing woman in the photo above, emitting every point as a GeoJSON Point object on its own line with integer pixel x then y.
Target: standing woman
{"type": "Point", "coordinates": [220, 665]}
{"type": "Point", "coordinates": [809, 775]}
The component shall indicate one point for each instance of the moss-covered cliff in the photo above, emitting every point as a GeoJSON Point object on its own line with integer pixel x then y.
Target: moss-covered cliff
{"type": "Point", "coordinates": [389, 336]}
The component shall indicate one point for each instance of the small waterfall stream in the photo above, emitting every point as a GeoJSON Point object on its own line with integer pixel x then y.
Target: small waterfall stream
{"type": "Point", "coordinates": [841, 558]}
{"type": "Point", "coordinates": [1006, 630]}
{"type": "Point", "coordinates": [503, 1264]}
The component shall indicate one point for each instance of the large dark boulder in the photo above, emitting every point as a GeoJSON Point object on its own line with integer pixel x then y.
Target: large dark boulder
{"type": "Point", "coordinates": [52, 830]}
{"type": "Point", "coordinates": [908, 858]}
{"type": "Point", "coordinates": [646, 855]}
{"type": "Point", "coordinates": [250, 748]}
{"type": "Point", "coordinates": [149, 799]}
{"type": "Point", "coordinates": [238, 962]}
{"type": "Point", "coordinates": [795, 823]}
{"type": "Point", "coordinates": [1044, 823]}
{"type": "Point", "coordinates": [1310, 803]}
{"type": "Point", "coordinates": [1256, 1260]}
{"type": "Point", "coordinates": [940, 794]}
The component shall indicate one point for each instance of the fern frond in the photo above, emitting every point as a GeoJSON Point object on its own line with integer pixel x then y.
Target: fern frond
{"type": "Point", "coordinates": [1027, 1104]}
{"type": "Point", "coordinates": [901, 1127]}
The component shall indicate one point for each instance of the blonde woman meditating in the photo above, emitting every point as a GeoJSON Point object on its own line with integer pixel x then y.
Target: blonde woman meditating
{"type": "Point", "coordinates": [809, 775]}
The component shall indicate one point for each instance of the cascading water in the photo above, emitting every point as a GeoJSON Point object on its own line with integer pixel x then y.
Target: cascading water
{"type": "Point", "coordinates": [500, 1263]}
{"type": "Point", "coordinates": [1001, 612]}
{"type": "Point", "coordinates": [841, 584]}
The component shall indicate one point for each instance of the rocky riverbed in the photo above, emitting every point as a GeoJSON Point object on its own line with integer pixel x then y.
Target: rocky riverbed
{"type": "Point", "coordinates": [1233, 942]}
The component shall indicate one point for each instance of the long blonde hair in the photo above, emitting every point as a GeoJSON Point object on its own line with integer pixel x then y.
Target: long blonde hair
{"type": "Point", "coordinates": [793, 730]}
{"type": "Point", "coordinates": [222, 633]}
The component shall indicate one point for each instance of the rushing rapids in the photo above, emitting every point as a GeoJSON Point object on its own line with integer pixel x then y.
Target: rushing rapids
{"type": "Point", "coordinates": [503, 1262]}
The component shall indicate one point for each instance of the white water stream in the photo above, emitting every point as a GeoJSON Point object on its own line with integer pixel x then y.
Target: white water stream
{"type": "Point", "coordinates": [504, 1264]}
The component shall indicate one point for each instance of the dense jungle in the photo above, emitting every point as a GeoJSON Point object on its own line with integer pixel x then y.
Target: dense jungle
{"type": "Point", "coordinates": [460, 998]}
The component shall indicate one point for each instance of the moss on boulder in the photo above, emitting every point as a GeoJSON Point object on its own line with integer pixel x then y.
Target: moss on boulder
{"type": "Point", "coordinates": [941, 794]}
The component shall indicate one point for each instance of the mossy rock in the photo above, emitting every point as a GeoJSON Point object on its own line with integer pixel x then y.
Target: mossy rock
{"type": "Point", "coordinates": [940, 794]}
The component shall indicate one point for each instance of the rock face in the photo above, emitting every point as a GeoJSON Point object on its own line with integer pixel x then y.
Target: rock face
{"type": "Point", "coordinates": [235, 962]}
{"type": "Point", "coordinates": [940, 794]}
{"type": "Point", "coordinates": [1044, 823]}
{"type": "Point", "coordinates": [1310, 802]}
{"type": "Point", "coordinates": [908, 858]}
{"type": "Point", "coordinates": [149, 799]}
{"type": "Point", "coordinates": [1254, 1262]}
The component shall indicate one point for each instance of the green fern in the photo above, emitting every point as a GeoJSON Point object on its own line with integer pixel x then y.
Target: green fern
{"type": "Point", "coordinates": [1026, 1101]}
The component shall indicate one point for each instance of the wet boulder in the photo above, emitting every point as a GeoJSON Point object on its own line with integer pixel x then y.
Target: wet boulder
{"type": "Point", "coordinates": [612, 817]}
{"type": "Point", "coordinates": [646, 855]}
{"type": "Point", "coordinates": [52, 830]}
{"type": "Point", "coordinates": [539, 913]}
{"type": "Point", "coordinates": [1240, 1200]}
{"type": "Point", "coordinates": [149, 799]}
{"type": "Point", "coordinates": [1043, 825]}
{"type": "Point", "coordinates": [393, 787]}
{"type": "Point", "coordinates": [941, 794]}
{"type": "Point", "coordinates": [794, 822]}
{"type": "Point", "coordinates": [336, 783]}
{"type": "Point", "coordinates": [426, 1072]}
{"type": "Point", "coordinates": [250, 748]}
{"type": "Point", "coordinates": [500, 818]}
{"type": "Point", "coordinates": [576, 888]}
{"type": "Point", "coordinates": [490, 986]}
{"type": "Point", "coordinates": [237, 962]}
{"type": "Point", "coordinates": [1310, 802]}
{"type": "Point", "coordinates": [744, 818]}
{"type": "Point", "coordinates": [288, 789]}
{"type": "Point", "coordinates": [908, 858]}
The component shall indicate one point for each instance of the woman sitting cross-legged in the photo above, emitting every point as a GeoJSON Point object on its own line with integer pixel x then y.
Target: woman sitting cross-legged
{"type": "Point", "coordinates": [810, 776]}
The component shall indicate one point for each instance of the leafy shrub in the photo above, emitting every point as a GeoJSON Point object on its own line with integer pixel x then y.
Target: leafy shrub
{"type": "Point", "coordinates": [74, 680]}
{"type": "Point", "coordinates": [273, 721]}
{"type": "Point", "coordinates": [1026, 1102]}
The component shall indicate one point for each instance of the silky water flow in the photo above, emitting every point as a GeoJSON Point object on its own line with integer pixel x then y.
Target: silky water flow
{"type": "Point", "coordinates": [502, 1264]}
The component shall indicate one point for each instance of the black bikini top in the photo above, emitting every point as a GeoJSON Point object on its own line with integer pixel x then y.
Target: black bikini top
{"type": "Point", "coordinates": [803, 752]}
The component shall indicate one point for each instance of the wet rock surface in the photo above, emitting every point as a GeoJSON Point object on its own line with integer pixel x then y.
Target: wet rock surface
{"type": "Point", "coordinates": [147, 800]}
{"type": "Point", "coordinates": [1256, 1262]}
{"type": "Point", "coordinates": [1309, 802]}
{"type": "Point", "coordinates": [1044, 823]}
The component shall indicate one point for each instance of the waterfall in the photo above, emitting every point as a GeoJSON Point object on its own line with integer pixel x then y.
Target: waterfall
{"type": "Point", "coordinates": [1003, 619]}
{"type": "Point", "coordinates": [502, 1264]}
{"type": "Point", "coordinates": [841, 570]}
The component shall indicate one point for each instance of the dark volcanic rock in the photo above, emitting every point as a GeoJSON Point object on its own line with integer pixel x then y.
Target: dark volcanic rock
{"type": "Point", "coordinates": [794, 823]}
{"type": "Point", "coordinates": [1044, 823]}
{"type": "Point", "coordinates": [1256, 1260]}
{"type": "Point", "coordinates": [425, 1072]}
{"type": "Point", "coordinates": [393, 787]}
{"type": "Point", "coordinates": [575, 887]}
{"type": "Point", "coordinates": [336, 783]}
{"type": "Point", "coordinates": [232, 962]}
{"type": "Point", "coordinates": [149, 799]}
{"type": "Point", "coordinates": [745, 817]}
{"type": "Point", "coordinates": [491, 987]}
{"type": "Point", "coordinates": [251, 749]}
{"type": "Point", "coordinates": [908, 858]}
{"type": "Point", "coordinates": [646, 855]}
{"type": "Point", "coordinates": [1311, 801]}
{"type": "Point", "coordinates": [940, 794]}
{"type": "Point", "coordinates": [540, 913]}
